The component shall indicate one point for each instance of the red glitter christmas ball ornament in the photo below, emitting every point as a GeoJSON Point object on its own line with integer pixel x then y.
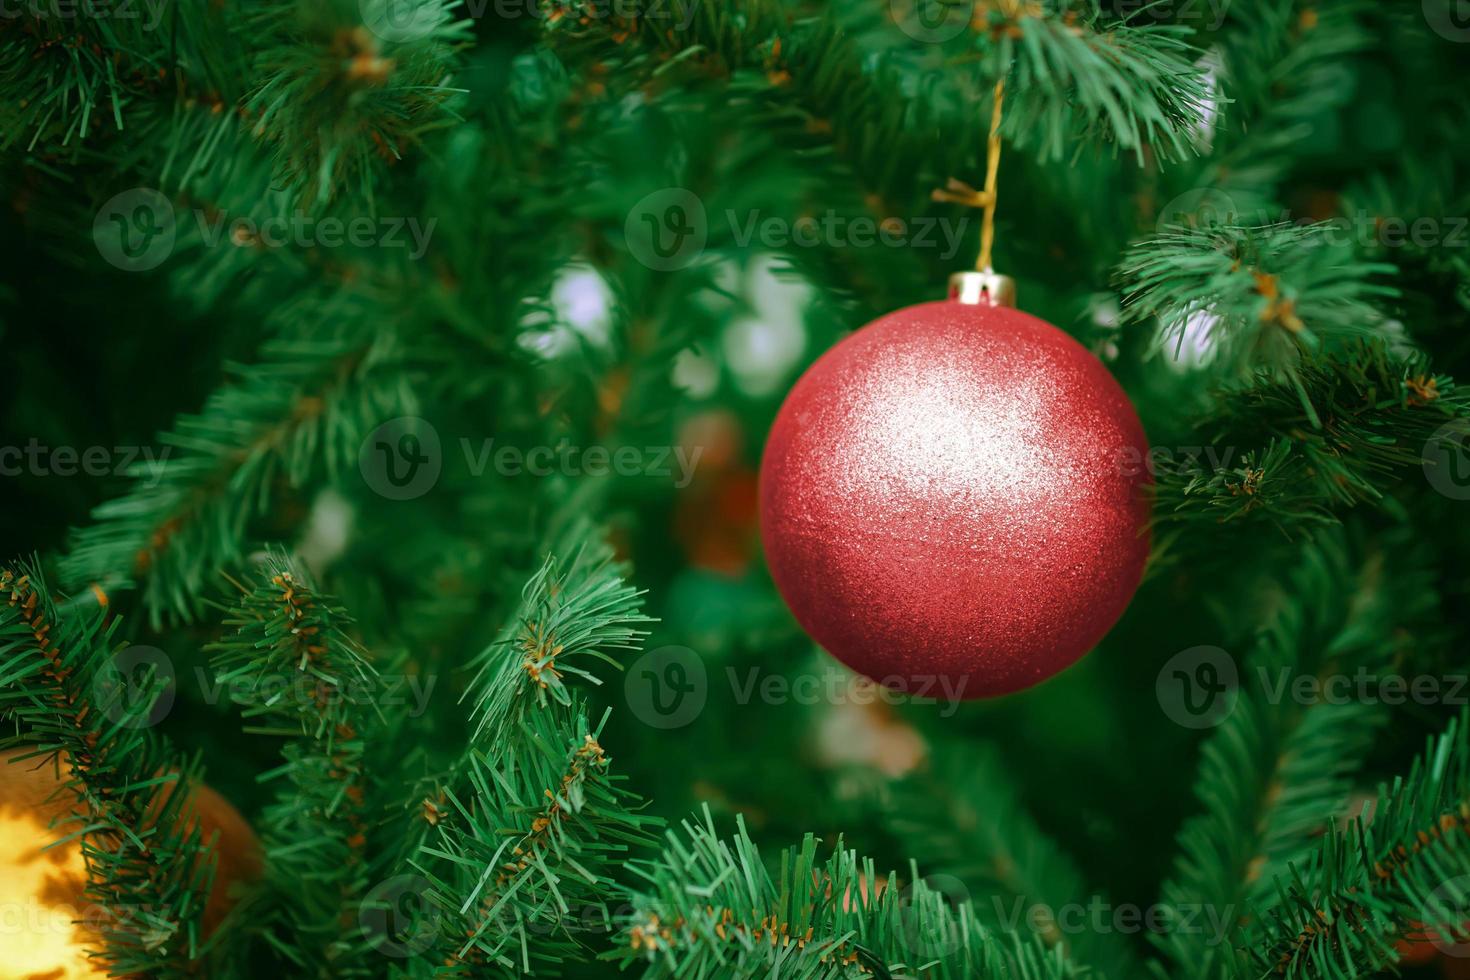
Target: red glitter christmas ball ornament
{"type": "Point", "coordinates": [952, 500]}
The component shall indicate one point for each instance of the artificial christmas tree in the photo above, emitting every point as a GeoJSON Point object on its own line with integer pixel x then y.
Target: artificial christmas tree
{"type": "Point", "coordinates": [387, 384]}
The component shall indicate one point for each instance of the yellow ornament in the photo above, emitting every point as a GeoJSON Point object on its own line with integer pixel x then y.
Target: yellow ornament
{"type": "Point", "coordinates": [43, 916]}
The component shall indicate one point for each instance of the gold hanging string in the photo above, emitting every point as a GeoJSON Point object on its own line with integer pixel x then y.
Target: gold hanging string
{"type": "Point", "coordinates": [958, 192]}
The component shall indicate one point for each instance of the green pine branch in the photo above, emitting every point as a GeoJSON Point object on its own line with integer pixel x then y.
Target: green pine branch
{"type": "Point", "coordinates": [300, 413]}
{"type": "Point", "coordinates": [1294, 452]}
{"type": "Point", "coordinates": [574, 613]}
{"type": "Point", "coordinates": [1399, 870]}
{"type": "Point", "coordinates": [799, 104]}
{"type": "Point", "coordinates": [1280, 66]}
{"type": "Point", "coordinates": [525, 835]}
{"type": "Point", "coordinates": [69, 77]}
{"type": "Point", "coordinates": [1073, 78]}
{"type": "Point", "coordinates": [526, 840]}
{"type": "Point", "coordinates": [347, 86]}
{"type": "Point", "coordinates": [1277, 773]}
{"type": "Point", "coordinates": [963, 813]}
{"type": "Point", "coordinates": [708, 907]}
{"type": "Point", "coordinates": [297, 674]}
{"type": "Point", "coordinates": [338, 90]}
{"type": "Point", "coordinates": [75, 707]}
{"type": "Point", "coordinates": [1253, 296]}
{"type": "Point", "coordinates": [814, 90]}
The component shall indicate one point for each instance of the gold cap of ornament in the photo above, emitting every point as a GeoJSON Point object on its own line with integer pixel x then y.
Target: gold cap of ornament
{"type": "Point", "coordinates": [984, 286]}
{"type": "Point", "coordinates": [982, 289]}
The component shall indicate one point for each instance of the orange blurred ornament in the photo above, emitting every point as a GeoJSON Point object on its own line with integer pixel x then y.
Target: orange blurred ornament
{"type": "Point", "coordinates": [715, 516]}
{"type": "Point", "coordinates": [1422, 945]}
{"type": "Point", "coordinates": [45, 915]}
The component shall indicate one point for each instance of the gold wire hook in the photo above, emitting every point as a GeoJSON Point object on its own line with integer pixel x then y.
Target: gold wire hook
{"type": "Point", "coordinates": [959, 192]}
{"type": "Point", "coordinates": [982, 285]}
